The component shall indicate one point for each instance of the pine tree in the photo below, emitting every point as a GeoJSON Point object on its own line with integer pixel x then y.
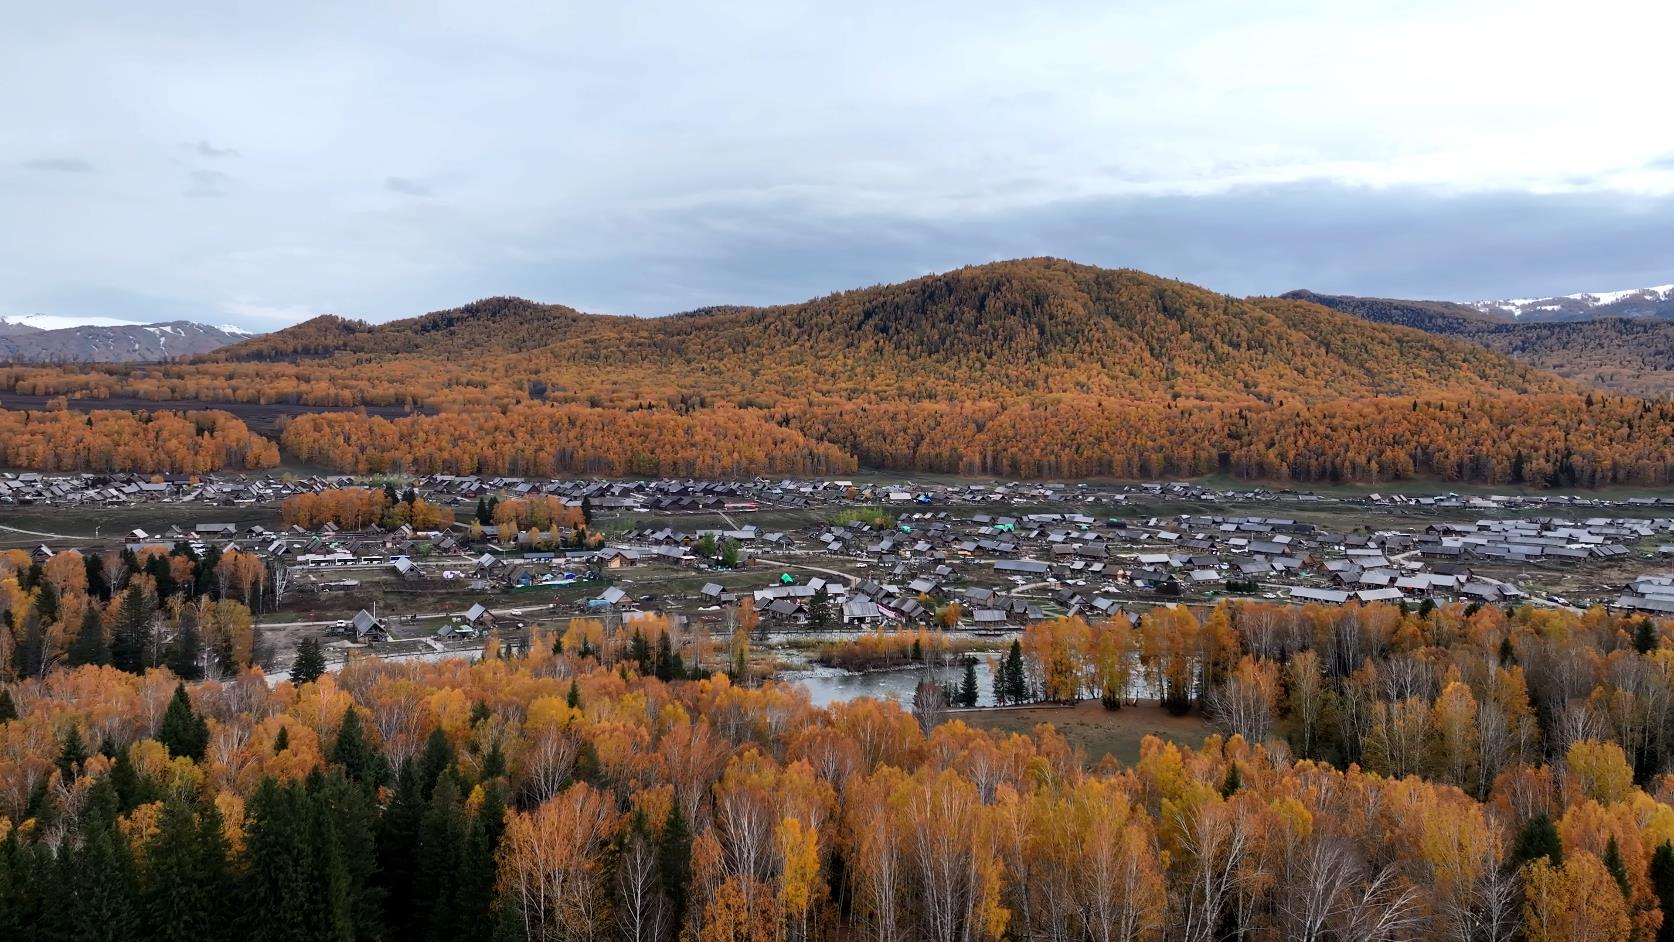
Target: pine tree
{"type": "Point", "coordinates": [94, 891]}
{"type": "Point", "coordinates": [437, 758]}
{"type": "Point", "coordinates": [1645, 637]}
{"type": "Point", "coordinates": [483, 516]}
{"type": "Point", "coordinates": [1002, 689]}
{"type": "Point", "coordinates": [184, 732]}
{"type": "Point", "coordinates": [8, 708]}
{"type": "Point", "coordinates": [1537, 838]}
{"type": "Point", "coordinates": [188, 882]}
{"type": "Point", "coordinates": [130, 648]}
{"type": "Point", "coordinates": [1662, 883]}
{"type": "Point", "coordinates": [46, 602]}
{"type": "Point", "coordinates": [398, 841]}
{"type": "Point", "coordinates": [278, 897]}
{"type": "Point", "coordinates": [132, 789]}
{"type": "Point", "coordinates": [361, 761]}
{"type": "Point", "coordinates": [1613, 863]}
{"type": "Point", "coordinates": [29, 655]}
{"type": "Point", "coordinates": [344, 819]}
{"type": "Point", "coordinates": [639, 651]}
{"type": "Point", "coordinates": [1232, 782]}
{"type": "Point", "coordinates": [968, 685]}
{"type": "Point", "coordinates": [674, 863]}
{"type": "Point", "coordinates": [1017, 682]}
{"type": "Point", "coordinates": [573, 698]}
{"type": "Point", "coordinates": [89, 645]}
{"type": "Point", "coordinates": [310, 662]}
{"type": "Point", "coordinates": [185, 654]}
{"type": "Point", "coordinates": [72, 754]}
{"type": "Point", "coordinates": [441, 838]}
{"type": "Point", "coordinates": [819, 610]}
{"type": "Point", "coordinates": [470, 917]}
{"type": "Point", "coordinates": [669, 665]}
{"type": "Point", "coordinates": [282, 741]}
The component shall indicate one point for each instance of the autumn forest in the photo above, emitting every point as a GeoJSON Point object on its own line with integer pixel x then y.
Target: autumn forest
{"type": "Point", "coordinates": [1035, 368]}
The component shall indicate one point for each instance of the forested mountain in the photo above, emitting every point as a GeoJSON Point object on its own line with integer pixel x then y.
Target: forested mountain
{"type": "Point", "coordinates": [1037, 367]}
{"type": "Point", "coordinates": [1631, 355]}
{"type": "Point", "coordinates": [1586, 305]}
{"type": "Point", "coordinates": [1038, 325]}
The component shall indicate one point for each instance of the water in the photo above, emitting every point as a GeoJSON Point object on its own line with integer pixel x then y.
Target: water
{"type": "Point", "coordinates": [828, 685]}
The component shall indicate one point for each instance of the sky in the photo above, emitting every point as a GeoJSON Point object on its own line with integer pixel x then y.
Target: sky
{"type": "Point", "coordinates": [261, 164]}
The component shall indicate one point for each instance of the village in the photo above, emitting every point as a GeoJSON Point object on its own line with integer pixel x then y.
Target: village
{"type": "Point", "coordinates": [824, 557]}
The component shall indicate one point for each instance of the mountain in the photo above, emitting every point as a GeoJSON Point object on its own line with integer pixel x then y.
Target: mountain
{"type": "Point", "coordinates": [1634, 302]}
{"type": "Point", "coordinates": [46, 338]}
{"type": "Point", "coordinates": [1618, 353]}
{"type": "Point", "coordinates": [1035, 368]}
{"type": "Point", "coordinates": [977, 333]}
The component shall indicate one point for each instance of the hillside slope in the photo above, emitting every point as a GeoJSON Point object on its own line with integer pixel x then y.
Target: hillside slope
{"type": "Point", "coordinates": [1628, 355]}
{"type": "Point", "coordinates": [1009, 328]}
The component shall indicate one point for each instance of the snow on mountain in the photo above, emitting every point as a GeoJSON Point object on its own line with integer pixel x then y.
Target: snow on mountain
{"type": "Point", "coordinates": [106, 340]}
{"type": "Point", "coordinates": [62, 322]}
{"type": "Point", "coordinates": [1657, 301]}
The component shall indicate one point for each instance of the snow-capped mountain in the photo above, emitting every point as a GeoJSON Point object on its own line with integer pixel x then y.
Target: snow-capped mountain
{"type": "Point", "coordinates": [51, 338]}
{"type": "Point", "coordinates": [1634, 302]}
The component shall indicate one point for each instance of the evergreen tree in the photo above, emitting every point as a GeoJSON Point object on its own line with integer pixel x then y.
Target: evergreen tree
{"type": "Point", "coordinates": [398, 848]}
{"type": "Point", "coordinates": [362, 763]}
{"type": "Point", "coordinates": [29, 654]}
{"type": "Point", "coordinates": [729, 553]}
{"type": "Point", "coordinates": [72, 754]}
{"type": "Point", "coordinates": [93, 893]}
{"type": "Point", "coordinates": [573, 698]}
{"type": "Point", "coordinates": [282, 741]}
{"type": "Point", "coordinates": [493, 764]}
{"type": "Point", "coordinates": [310, 662]}
{"type": "Point", "coordinates": [277, 895]}
{"type": "Point", "coordinates": [185, 654]}
{"type": "Point", "coordinates": [24, 872]}
{"type": "Point", "coordinates": [184, 732]}
{"type": "Point", "coordinates": [436, 759]}
{"type": "Point", "coordinates": [674, 862]}
{"type": "Point", "coordinates": [1017, 682]}
{"type": "Point", "coordinates": [8, 708]}
{"type": "Point", "coordinates": [1537, 838]}
{"type": "Point", "coordinates": [639, 651]}
{"type": "Point", "coordinates": [132, 789]}
{"type": "Point", "coordinates": [89, 646]}
{"type": "Point", "coordinates": [470, 917]}
{"type": "Point", "coordinates": [819, 609]}
{"type": "Point", "coordinates": [968, 685]}
{"type": "Point", "coordinates": [97, 586]}
{"type": "Point", "coordinates": [130, 647]}
{"type": "Point", "coordinates": [1613, 863]}
{"type": "Point", "coordinates": [1001, 689]}
{"type": "Point", "coordinates": [441, 840]}
{"type": "Point", "coordinates": [669, 665]}
{"type": "Point", "coordinates": [1662, 883]}
{"type": "Point", "coordinates": [1645, 637]}
{"type": "Point", "coordinates": [344, 820]}
{"type": "Point", "coordinates": [46, 602]}
{"type": "Point", "coordinates": [1232, 782]}
{"type": "Point", "coordinates": [1508, 655]}
{"type": "Point", "coordinates": [188, 882]}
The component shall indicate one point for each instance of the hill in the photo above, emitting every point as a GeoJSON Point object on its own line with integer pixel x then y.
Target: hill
{"type": "Point", "coordinates": [1628, 355]}
{"type": "Point", "coordinates": [1586, 305]}
{"type": "Point", "coordinates": [1033, 326]}
{"type": "Point", "coordinates": [1031, 368]}
{"type": "Point", "coordinates": [38, 339]}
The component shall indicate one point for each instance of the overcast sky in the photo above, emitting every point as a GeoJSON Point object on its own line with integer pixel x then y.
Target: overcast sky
{"type": "Point", "coordinates": [261, 163]}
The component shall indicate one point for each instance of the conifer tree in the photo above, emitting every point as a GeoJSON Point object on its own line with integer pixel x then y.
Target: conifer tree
{"type": "Point", "coordinates": [674, 863]}
{"type": "Point", "coordinates": [362, 763]}
{"type": "Point", "coordinates": [310, 662]}
{"type": "Point", "coordinates": [187, 881]}
{"type": "Point", "coordinates": [184, 732]}
{"type": "Point", "coordinates": [1537, 838]}
{"type": "Point", "coordinates": [441, 839]}
{"type": "Point", "coordinates": [89, 645]}
{"type": "Point", "coordinates": [185, 654]}
{"type": "Point", "coordinates": [968, 685]}
{"type": "Point", "coordinates": [1662, 883]}
{"type": "Point", "coordinates": [130, 648]}
{"type": "Point", "coordinates": [8, 707]}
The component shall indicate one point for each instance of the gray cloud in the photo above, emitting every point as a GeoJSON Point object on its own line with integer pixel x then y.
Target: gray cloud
{"type": "Point", "coordinates": [59, 165]}
{"type": "Point", "coordinates": [206, 149]}
{"type": "Point", "coordinates": [408, 187]}
{"type": "Point", "coordinates": [638, 162]}
{"type": "Point", "coordinates": [207, 183]}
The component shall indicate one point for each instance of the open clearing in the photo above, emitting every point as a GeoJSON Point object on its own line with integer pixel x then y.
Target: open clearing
{"type": "Point", "coordinates": [1096, 731]}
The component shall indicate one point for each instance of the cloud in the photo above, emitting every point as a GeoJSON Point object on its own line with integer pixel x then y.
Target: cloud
{"type": "Point", "coordinates": [206, 149]}
{"type": "Point", "coordinates": [59, 165]}
{"type": "Point", "coordinates": [408, 187]}
{"type": "Point", "coordinates": [207, 183]}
